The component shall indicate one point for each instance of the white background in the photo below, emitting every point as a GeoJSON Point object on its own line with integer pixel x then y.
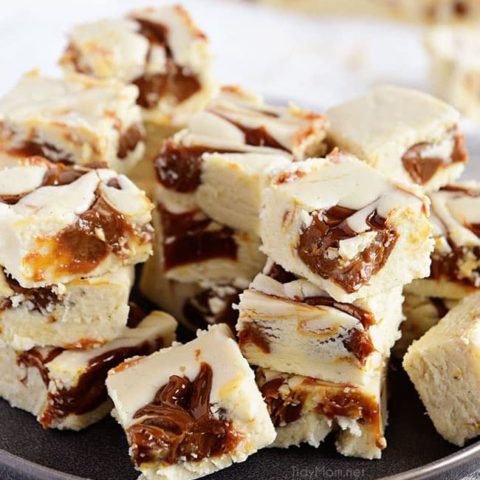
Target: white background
{"type": "Point", "coordinates": [315, 61]}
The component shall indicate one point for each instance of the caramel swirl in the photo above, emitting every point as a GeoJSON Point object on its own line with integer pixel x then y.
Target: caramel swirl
{"type": "Point", "coordinates": [319, 245]}
{"type": "Point", "coordinates": [179, 424]}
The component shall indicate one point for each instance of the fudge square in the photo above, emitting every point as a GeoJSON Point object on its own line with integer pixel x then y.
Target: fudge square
{"type": "Point", "coordinates": [65, 389]}
{"type": "Point", "coordinates": [58, 223]}
{"type": "Point", "coordinates": [455, 69]}
{"type": "Point", "coordinates": [288, 324]}
{"type": "Point", "coordinates": [306, 410]}
{"type": "Point", "coordinates": [443, 365]}
{"type": "Point", "coordinates": [76, 119]}
{"type": "Point", "coordinates": [455, 215]}
{"type": "Point", "coordinates": [239, 139]}
{"type": "Point", "coordinates": [190, 246]}
{"type": "Point", "coordinates": [343, 226]}
{"type": "Point", "coordinates": [408, 135]}
{"type": "Point", "coordinates": [83, 313]}
{"type": "Point", "coordinates": [160, 50]}
{"type": "Point", "coordinates": [192, 409]}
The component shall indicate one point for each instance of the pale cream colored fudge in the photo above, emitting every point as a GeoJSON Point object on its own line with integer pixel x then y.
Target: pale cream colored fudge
{"type": "Point", "coordinates": [65, 388]}
{"type": "Point", "coordinates": [407, 135]}
{"type": "Point", "coordinates": [421, 314]}
{"type": "Point", "coordinates": [306, 410]}
{"type": "Point", "coordinates": [191, 247]}
{"type": "Point", "coordinates": [160, 50]}
{"type": "Point", "coordinates": [232, 185]}
{"type": "Point", "coordinates": [83, 313]}
{"type": "Point", "coordinates": [234, 122]}
{"type": "Point", "coordinates": [290, 325]}
{"type": "Point", "coordinates": [76, 119]}
{"type": "Point", "coordinates": [59, 224]}
{"type": "Point", "coordinates": [194, 304]}
{"type": "Point", "coordinates": [455, 66]}
{"type": "Point", "coordinates": [417, 11]}
{"type": "Point", "coordinates": [340, 224]}
{"type": "Point", "coordinates": [192, 409]}
{"type": "Point", "coordinates": [455, 268]}
{"type": "Point", "coordinates": [443, 365]}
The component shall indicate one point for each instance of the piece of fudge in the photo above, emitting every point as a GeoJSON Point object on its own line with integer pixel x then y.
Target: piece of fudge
{"type": "Point", "coordinates": [65, 389]}
{"type": "Point", "coordinates": [455, 271]}
{"type": "Point", "coordinates": [288, 324]}
{"type": "Point", "coordinates": [191, 247]}
{"type": "Point", "coordinates": [194, 304]}
{"type": "Point", "coordinates": [407, 135]}
{"type": "Point", "coordinates": [192, 409]}
{"type": "Point", "coordinates": [83, 313]}
{"type": "Point", "coordinates": [59, 224]}
{"type": "Point", "coordinates": [455, 68]}
{"type": "Point", "coordinates": [76, 119]}
{"type": "Point", "coordinates": [340, 224]}
{"type": "Point", "coordinates": [160, 50]}
{"type": "Point", "coordinates": [421, 314]}
{"type": "Point", "coordinates": [235, 122]}
{"type": "Point", "coordinates": [443, 365]}
{"type": "Point", "coordinates": [306, 410]}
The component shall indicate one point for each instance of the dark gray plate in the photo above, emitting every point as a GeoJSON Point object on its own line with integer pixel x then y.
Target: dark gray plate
{"type": "Point", "coordinates": [100, 452]}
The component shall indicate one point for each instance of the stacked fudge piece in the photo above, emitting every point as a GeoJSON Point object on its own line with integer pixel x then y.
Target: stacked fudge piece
{"type": "Point", "coordinates": [69, 239]}
{"type": "Point", "coordinates": [443, 366]}
{"type": "Point", "coordinates": [73, 120]}
{"type": "Point", "coordinates": [455, 68]}
{"type": "Point", "coordinates": [192, 409]}
{"type": "Point", "coordinates": [455, 271]}
{"type": "Point", "coordinates": [210, 180]}
{"type": "Point", "coordinates": [159, 50]}
{"type": "Point", "coordinates": [320, 321]}
{"type": "Point", "coordinates": [415, 138]}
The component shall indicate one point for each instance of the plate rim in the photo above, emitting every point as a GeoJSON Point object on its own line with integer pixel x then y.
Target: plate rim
{"type": "Point", "coordinates": [465, 455]}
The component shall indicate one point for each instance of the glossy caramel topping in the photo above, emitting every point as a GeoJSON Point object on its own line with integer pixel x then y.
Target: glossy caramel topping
{"type": "Point", "coordinates": [80, 246]}
{"type": "Point", "coordinates": [198, 310]}
{"type": "Point", "coordinates": [178, 424]}
{"type": "Point", "coordinates": [360, 344]}
{"type": "Point", "coordinates": [449, 266]}
{"type": "Point", "coordinates": [351, 404]}
{"type": "Point", "coordinates": [41, 299]}
{"type": "Point", "coordinates": [257, 136]}
{"type": "Point", "coordinates": [38, 358]}
{"type": "Point", "coordinates": [176, 81]}
{"type": "Point", "coordinates": [323, 235]}
{"type": "Point", "coordinates": [57, 174]}
{"type": "Point", "coordinates": [250, 333]}
{"type": "Point", "coordinates": [422, 168]}
{"type": "Point", "coordinates": [178, 167]}
{"type": "Point", "coordinates": [286, 404]}
{"type": "Point", "coordinates": [191, 239]}
{"type": "Point", "coordinates": [89, 392]}
{"type": "Point", "coordinates": [278, 273]}
{"type": "Point", "coordinates": [282, 409]}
